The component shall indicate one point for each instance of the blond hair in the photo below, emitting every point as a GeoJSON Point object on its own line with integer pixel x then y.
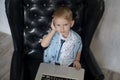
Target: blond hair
{"type": "Point", "coordinates": [63, 12]}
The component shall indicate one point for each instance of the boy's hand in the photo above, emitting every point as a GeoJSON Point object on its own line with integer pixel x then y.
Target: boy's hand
{"type": "Point", "coordinates": [53, 26]}
{"type": "Point", "coordinates": [77, 65]}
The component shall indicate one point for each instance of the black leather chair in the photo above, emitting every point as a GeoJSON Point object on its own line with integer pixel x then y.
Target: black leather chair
{"type": "Point", "coordinates": [29, 21]}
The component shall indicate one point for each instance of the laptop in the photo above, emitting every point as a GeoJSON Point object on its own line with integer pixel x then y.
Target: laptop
{"type": "Point", "coordinates": [58, 72]}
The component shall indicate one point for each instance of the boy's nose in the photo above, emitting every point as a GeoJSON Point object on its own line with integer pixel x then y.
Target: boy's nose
{"type": "Point", "coordinates": [62, 28]}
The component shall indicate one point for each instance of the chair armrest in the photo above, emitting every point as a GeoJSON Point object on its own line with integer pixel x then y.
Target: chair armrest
{"type": "Point", "coordinates": [17, 66]}
{"type": "Point", "coordinates": [92, 65]}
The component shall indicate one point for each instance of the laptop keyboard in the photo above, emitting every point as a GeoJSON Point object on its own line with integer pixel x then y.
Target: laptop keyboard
{"type": "Point", "coordinates": [49, 77]}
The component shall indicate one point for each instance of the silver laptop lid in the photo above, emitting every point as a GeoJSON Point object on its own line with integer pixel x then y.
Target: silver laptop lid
{"type": "Point", "coordinates": [59, 71]}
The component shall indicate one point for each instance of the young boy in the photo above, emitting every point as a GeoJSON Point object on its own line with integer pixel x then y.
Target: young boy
{"type": "Point", "coordinates": [63, 44]}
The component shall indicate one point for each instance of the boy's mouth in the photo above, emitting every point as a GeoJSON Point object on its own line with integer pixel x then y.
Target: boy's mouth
{"type": "Point", "coordinates": [65, 36]}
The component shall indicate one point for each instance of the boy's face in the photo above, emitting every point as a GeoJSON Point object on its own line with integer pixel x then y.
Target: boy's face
{"type": "Point", "coordinates": [63, 26]}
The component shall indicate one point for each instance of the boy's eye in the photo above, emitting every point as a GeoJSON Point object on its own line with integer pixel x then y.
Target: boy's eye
{"type": "Point", "coordinates": [65, 24]}
{"type": "Point", "coordinates": [57, 25]}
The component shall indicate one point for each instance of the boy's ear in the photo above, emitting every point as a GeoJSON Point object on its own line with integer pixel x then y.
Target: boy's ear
{"type": "Point", "coordinates": [72, 23]}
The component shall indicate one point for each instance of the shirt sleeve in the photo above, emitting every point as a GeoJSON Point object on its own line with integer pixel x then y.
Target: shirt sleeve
{"type": "Point", "coordinates": [79, 46]}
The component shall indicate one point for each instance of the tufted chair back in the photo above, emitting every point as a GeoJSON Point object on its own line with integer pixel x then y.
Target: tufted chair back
{"type": "Point", "coordinates": [38, 16]}
{"type": "Point", "coordinates": [29, 28]}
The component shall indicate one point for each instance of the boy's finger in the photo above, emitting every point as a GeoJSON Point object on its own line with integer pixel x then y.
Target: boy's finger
{"type": "Point", "coordinates": [73, 65]}
{"type": "Point", "coordinates": [78, 68]}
